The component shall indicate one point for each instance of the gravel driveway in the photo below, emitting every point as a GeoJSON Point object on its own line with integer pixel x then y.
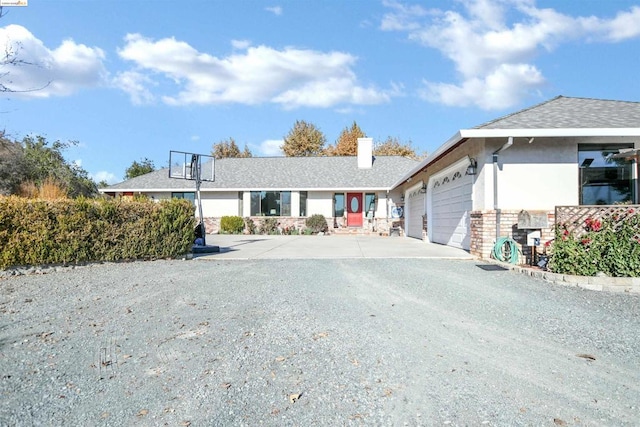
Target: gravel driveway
{"type": "Point", "coordinates": [308, 342]}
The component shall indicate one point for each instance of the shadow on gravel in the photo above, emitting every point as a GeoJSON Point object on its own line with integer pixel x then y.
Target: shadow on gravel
{"type": "Point", "coordinates": [491, 267]}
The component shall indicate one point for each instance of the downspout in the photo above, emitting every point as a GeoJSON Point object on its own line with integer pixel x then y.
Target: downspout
{"type": "Point", "coordinates": [387, 209]}
{"type": "Point", "coordinates": [635, 179]}
{"type": "Point", "coordinates": [508, 144]}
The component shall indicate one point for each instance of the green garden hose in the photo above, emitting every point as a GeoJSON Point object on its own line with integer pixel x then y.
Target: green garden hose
{"type": "Point", "coordinates": [506, 250]}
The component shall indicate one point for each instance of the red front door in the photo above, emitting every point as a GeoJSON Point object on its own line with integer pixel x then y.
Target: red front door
{"type": "Point", "coordinates": [354, 209]}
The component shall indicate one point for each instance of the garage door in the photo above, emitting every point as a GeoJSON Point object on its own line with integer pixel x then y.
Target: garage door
{"type": "Point", "coordinates": [414, 212]}
{"type": "Point", "coordinates": [451, 204]}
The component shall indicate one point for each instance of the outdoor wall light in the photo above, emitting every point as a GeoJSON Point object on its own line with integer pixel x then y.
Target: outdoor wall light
{"type": "Point", "coordinates": [472, 169]}
{"type": "Point", "coordinates": [424, 188]}
{"type": "Point", "coordinates": [402, 198]}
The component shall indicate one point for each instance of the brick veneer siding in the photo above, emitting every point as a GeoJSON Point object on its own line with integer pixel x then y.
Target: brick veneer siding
{"type": "Point", "coordinates": [377, 225]}
{"type": "Point", "coordinates": [483, 233]}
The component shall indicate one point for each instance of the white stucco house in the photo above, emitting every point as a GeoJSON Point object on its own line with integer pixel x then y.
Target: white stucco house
{"type": "Point", "coordinates": [352, 193]}
{"type": "Point", "coordinates": [475, 186]}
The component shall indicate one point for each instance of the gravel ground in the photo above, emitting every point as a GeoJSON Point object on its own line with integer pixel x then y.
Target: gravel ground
{"type": "Point", "coordinates": [303, 343]}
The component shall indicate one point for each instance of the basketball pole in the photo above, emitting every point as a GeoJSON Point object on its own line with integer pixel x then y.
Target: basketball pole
{"type": "Point", "coordinates": [195, 166]}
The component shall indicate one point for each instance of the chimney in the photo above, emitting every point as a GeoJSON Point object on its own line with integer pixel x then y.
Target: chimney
{"type": "Point", "coordinates": [365, 153]}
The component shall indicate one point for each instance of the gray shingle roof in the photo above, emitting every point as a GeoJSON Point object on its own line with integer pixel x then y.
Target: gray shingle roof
{"type": "Point", "coordinates": [566, 112]}
{"type": "Point", "coordinates": [283, 173]}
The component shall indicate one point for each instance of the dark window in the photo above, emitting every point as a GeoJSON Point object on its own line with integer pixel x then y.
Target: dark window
{"type": "Point", "coordinates": [303, 203]}
{"type": "Point", "coordinates": [370, 204]}
{"type": "Point", "coordinates": [270, 203]}
{"type": "Point", "coordinates": [338, 204]}
{"type": "Point", "coordinates": [188, 196]}
{"type": "Point", "coordinates": [603, 180]}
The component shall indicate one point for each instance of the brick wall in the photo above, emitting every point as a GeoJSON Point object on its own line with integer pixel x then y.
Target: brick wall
{"type": "Point", "coordinates": [483, 233]}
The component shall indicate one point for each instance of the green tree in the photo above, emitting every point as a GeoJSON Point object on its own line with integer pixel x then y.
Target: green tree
{"type": "Point", "coordinates": [229, 148]}
{"type": "Point", "coordinates": [12, 165]}
{"type": "Point", "coordinates": [347, 142]}
{"type": "Point", "coordinates": [45, 161]}
{"type": "Point", "coordinates": [145, 166]}
{"type": "Point", "coordinates": [304, 140]}
{"type": "Point", "coordinates": [393, 147]}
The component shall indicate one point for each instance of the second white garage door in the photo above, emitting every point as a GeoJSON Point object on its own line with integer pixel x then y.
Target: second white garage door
{"type": "Point", "coordinates": [450, 203]}
{"type": "Point", "coordinates": [414, 212]}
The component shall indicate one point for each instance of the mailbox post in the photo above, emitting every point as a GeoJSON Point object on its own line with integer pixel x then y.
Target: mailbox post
{"type": "Point", "coordinates": [533, 222]}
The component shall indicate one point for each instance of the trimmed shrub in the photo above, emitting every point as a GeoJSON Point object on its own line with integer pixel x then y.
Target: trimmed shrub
{"type": "Point", "coordinates": [35, 232]}
{"type": "Point", "coordinates": [317, 223]}
{"type": "Point", "coordinates": [231, 225]}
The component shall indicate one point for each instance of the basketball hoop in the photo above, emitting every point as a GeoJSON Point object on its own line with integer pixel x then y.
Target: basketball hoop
{"type": "Point", "coordinates": [193, 167]}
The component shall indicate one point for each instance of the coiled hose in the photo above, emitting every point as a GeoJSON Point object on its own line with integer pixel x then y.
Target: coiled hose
{"type": "Point", "coordinates": [506, 250]}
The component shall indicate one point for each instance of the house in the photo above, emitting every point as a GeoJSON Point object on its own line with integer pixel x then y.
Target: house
{"type": "Point", "coordinates": [502, 178]}
{"type": "Point", "coordinates": [487, 181]}
{"type": "Point", "coordinates": [353, 193]}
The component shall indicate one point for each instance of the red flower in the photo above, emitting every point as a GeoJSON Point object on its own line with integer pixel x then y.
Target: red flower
{"type": "Point", "coordinates": [585, 241]}
{"type": "Point", "coordinates": [592, 224]}
{"type": "Point", "coordinates": [632, 211]}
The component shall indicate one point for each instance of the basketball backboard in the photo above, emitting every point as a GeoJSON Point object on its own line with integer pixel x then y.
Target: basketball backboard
{"type": "Point", "coordinates": [185, 165]}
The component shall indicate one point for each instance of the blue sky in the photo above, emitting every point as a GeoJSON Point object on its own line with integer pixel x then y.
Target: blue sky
{"type": "Point", "coordinates": [133, 79]}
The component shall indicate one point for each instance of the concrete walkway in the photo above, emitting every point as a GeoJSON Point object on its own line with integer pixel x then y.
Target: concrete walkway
{"type": "Point", "coordinates": [326, 247]}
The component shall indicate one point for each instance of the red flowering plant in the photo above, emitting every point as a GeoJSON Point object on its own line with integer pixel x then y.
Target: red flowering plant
{"type": "Point", "coordinates": [609, 245]}
{"type": "Point", "coordinates": [591, 224]}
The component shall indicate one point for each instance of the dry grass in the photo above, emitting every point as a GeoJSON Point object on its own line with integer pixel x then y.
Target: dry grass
{"type": "Point", "coordinates": [50, 189]}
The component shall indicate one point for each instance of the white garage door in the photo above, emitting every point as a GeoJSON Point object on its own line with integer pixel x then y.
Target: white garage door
{"type": "Point", "coordinates": [414, 212]}
{"type": "Point", "coordinates": [451, 204]}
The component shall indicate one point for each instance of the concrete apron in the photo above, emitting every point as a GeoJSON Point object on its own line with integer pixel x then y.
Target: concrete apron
{"type": "Point", "coordinates": [325, 247]}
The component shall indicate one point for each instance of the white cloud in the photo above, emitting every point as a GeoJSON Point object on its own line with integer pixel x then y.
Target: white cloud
{"type": "Point", "coordinates": [240, 44]}
{"type": "Point", "coordinates": [270, 148]}
{"type": "Point", "coordinates": [290, 77]}
{"type": "Point", "coordinates": [108, 177]}
{"type": "Point", "coordinates": [49, 72]}
{"type": "Point", "coordinates": [507, 85]}
{"type": "Point", "coordinates": [135, 84]}
{"type": "Point", "coordinates": [491, 52]}
{"type": "Point", "coordinates": [276, 10]}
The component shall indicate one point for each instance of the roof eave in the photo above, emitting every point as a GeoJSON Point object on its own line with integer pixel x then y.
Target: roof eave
{"type": "Point", "coordinates": [211, 190]}
{"type": "Point", "coordinates": [451, 142]}
{"type": "Point", "coordinates": [464, 134]}
{"type": "Point", "coordinates": [550, 132]}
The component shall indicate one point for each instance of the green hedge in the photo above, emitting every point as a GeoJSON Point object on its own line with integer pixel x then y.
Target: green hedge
{"type": "Point", "coordinates": [608, 246]}
{"type": "Point", "coordinates": [36, 232]}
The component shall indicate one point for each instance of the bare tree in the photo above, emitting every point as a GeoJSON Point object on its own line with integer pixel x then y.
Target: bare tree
{"type": "Point", "coordinates": [9, 60]}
